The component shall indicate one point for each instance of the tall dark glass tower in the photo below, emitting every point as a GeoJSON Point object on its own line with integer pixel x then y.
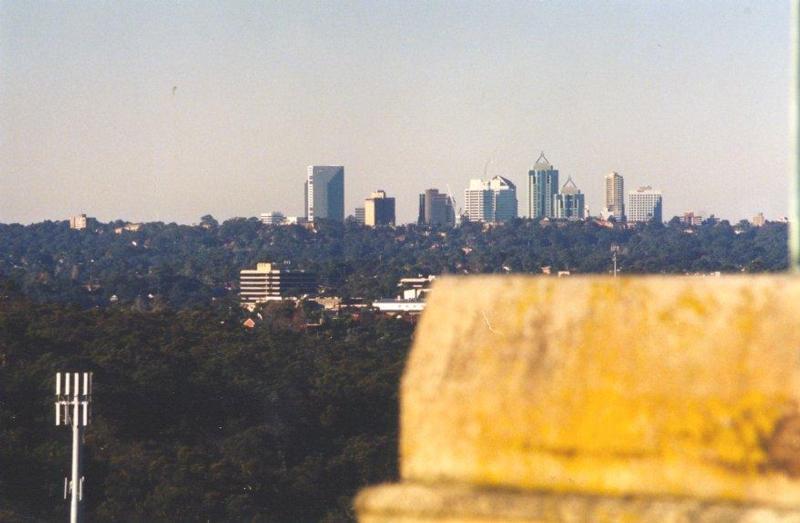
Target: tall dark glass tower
{"type": "Point", "coordinates": [325, 192]}
{"type": "Point", "coordinates": [542, 187]}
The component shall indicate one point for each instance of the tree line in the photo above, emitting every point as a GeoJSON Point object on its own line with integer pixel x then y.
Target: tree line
{"type": "Point", "coordinates": [177, 266]}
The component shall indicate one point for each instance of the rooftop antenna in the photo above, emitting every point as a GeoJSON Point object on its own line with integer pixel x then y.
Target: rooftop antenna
{"type": "Point", "coordinates": [450, 194]}
{"type": "Point", "coordinates": [453, 203]}
{"type": "Point", "coordinates": [73, 401]}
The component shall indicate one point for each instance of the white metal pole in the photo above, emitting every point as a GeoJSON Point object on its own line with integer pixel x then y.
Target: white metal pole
{"type": "Point", "coordinates": [74, 511]}
{"type": "Point", "coordinates": [794, 137]}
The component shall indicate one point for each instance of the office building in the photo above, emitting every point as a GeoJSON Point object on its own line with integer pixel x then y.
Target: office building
{"type": "Point", "coordinates": [295, 220]}
{"type": "Point", "coordinates": [413, 292]}
{"type": "Point", "coordinates": [272, 218]}
{"type": "Point", "coordinates": [268, 282]}
{"type": "Point", "coordinates": [569, 203]}
{"type": "Point", "coordinates": [542, 187]}
{"type": "Point", "coordinates": [128, 227]}
{"type": "Point", "coordinates": [77, 222]}
{"type": "Point", "coordinates": [491, 201]}
{"type": "Point", "coordinates": [645, 205]}
{"type": "Point", "coordinates": [358, 213]}
{"type": "Point", "coordinates": [691, 218]}
{"type": "Point", "coordinates": [615, 197]}
{"type": "Point", "coordinates": [378, 209]}
{"type": "Point", "coordinates": [436, 208]}
{"type": "Point", "coordinates": [415, 288]}
{"type": "Point", "coordinates": [325, 193]}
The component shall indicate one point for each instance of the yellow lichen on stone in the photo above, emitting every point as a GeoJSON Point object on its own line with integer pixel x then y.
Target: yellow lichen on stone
{"type": "Point", "coordinates": [655, 385]}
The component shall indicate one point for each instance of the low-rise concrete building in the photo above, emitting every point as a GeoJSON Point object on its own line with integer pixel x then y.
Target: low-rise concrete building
{"type": "Point", "coordinates": [268, 282]}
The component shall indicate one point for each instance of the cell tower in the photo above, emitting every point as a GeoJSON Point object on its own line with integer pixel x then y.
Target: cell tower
{"type": "Point", "coordinates": [73, 403]}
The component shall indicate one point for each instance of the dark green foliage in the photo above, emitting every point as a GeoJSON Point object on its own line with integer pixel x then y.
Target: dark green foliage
{"type": "Point", "coordinates": [182, 266]}
{"type": "Point", "coordinates": [200, 419]}
{"type": "Point", "coordinates": [197, 418]}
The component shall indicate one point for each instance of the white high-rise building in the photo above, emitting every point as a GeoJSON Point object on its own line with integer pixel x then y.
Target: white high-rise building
{"type": "Point", "coordinates": [325, 192]}
{"type": "Point", "coordinates": [492, 200]}
{"type": "Point", "coordinates": [645, 205]}
{"type": "Point", "coordinates": [615, 196]}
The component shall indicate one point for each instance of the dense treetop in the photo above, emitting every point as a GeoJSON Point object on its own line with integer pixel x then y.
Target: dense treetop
{"type": "Point", "coordinates": [183, 266]}
{"type": "Point", "coordinates": [199, 419]}
{"type": "Point", "coordinates": [195, 417]}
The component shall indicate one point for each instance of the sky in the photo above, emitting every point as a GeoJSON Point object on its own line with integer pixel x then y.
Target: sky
{"type": "Point", "coordinates": [155, 110]}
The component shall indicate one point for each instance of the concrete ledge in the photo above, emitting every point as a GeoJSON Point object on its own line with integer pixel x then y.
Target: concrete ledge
{"type": "Point", "coordinates": [664, 386]}
{"type": "Point", "coordinates": [418, 503]}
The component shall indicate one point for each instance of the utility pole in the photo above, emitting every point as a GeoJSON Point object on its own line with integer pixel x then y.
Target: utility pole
{"type": "Point", "coordinates": [614, 250]}
{"type": "Point", "coordinates": [73, 401]}
{"type": "Point", "coordinates": [794, 150]}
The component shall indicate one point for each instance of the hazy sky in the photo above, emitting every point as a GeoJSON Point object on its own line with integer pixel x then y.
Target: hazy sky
{"type": "Point", "coordinates": [166, 111]}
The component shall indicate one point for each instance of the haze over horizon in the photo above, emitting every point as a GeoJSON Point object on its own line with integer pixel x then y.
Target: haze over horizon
{"type": "Point", "coordinates": [156, 111]}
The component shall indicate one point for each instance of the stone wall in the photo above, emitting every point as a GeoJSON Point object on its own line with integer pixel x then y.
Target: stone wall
{"type": "Point", "coordinates": [600, 399]}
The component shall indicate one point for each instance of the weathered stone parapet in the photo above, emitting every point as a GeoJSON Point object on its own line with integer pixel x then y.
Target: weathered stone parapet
{"type": "Point", "coordinates": [630, 394]}
{"type": "Point", "coordinates": [448, 503]}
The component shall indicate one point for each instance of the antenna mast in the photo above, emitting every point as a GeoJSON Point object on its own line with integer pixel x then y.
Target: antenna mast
{"type": "Point", "coordinates": [73, 401]}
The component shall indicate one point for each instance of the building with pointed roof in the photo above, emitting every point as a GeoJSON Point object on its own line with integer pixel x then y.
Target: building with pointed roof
{"type": "Point", "coordinates": [542, 188]}
{"type": "Point", "coordinates": [569, 203]}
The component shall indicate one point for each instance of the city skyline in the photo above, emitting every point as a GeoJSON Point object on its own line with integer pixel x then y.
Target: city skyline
{"type": "Point", "coordinates": [218, 109]}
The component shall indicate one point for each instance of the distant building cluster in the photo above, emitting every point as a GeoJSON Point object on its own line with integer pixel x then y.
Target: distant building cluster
{"type": "Point", "coordinates": [493, 200]}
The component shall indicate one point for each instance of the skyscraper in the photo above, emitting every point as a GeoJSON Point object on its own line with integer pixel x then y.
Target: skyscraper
{"type": "Point", "coordinates": [494, 200]}
{"type": "Point", "coordinates": [436, 208]}
{"type": "Point", "coordinates": [542, 187]}
{"type": "Point", "coordinates": [378, 209]}
{"type": "Point", "coordinates": [325, 192]}
{"type": "Point", "coordinates": [615, 196]}
{"type": "Point", "coordinates": [569, 203]}
{"type": "Point", "coordinates": [644, 205]}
